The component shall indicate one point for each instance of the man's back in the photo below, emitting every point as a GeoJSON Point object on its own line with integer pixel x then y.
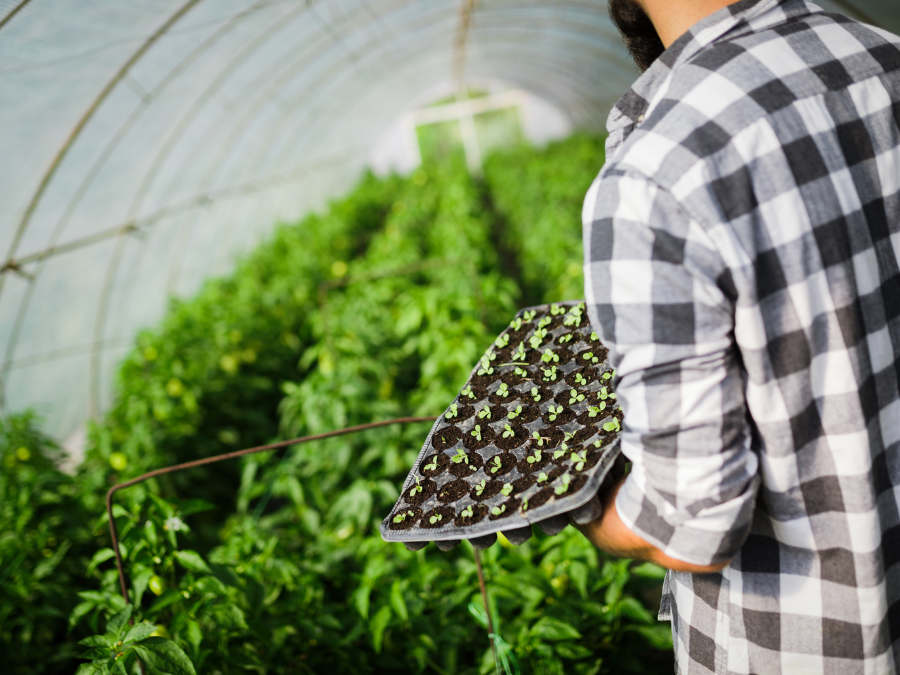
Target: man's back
{"type": "Point", "coordinates": [742, 251]}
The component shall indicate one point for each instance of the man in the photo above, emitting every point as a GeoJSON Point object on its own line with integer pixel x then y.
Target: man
{"type": "Point", "coordinates": [741, 249]}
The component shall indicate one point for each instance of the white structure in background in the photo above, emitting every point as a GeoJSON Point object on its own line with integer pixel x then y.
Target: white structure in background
{"type": "Point", "coordinates": [398, 150]}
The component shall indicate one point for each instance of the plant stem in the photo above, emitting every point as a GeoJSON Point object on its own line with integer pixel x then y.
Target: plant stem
{"type": "Point", "coordinates": [487, 610]}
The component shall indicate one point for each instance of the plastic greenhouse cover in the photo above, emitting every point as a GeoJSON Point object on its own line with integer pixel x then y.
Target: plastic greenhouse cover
{"type": "Point", "coordinates": [148, 143]}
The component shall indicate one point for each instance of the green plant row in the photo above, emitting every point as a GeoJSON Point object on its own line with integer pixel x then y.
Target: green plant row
{"type": "Point", "coordinates": [375, 309]}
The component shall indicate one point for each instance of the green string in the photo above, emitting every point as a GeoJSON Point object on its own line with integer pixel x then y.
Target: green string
{"type": "Point", "coordinates": [504, 652]}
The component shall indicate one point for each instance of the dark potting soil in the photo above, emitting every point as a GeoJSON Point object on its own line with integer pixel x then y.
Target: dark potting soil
{"type": "Point", "coordinates": [442, 515]}
{"type": "Point", "coordinates": [498, 412]}
{"type": "Point", "coordinates": [588, 376]}
{"type": "Point", "coordinates": [523, 483]}
{"type": "Point", "coordinates": [574, 486]}
{"type": "Point", "coordinates": [530, 411]}
{"type": "Point", "coordinates": [586, 433]}
{"type": "Point", "coordinates": [540, 498]}
{"type": "Point", "coordinates": [410, 516]}
{"type": "Point", "coordinates": [589, 463]}
{"type": "Point", "coordinates": [463, 412]}
{"type": "Point", "coordinates": [520, 435]}
{"type": "Point", "coordinates": [500, 400]}
{"type": "Point", "coordinates": [501, 464]}
{"type": "Point", "coordinates": [443, 461]}
{"type": "Point", "coordinates": [465, 469]}
{"type": "Point", "coordinates": [446, 438]}
{"type": "Point", "coordinates": [487, 436]}
{"type": "Point", "coordinates": [513, 379]}
{"type": "Point", "coordinates": [566, 416]}
{"type": "Point", "coordinates": [490, 489]}
{"type": "Point", "coordinates": [525, 467]}
{"type": "Point", "coordinates": [453, 491]}
{"type": "Point", "coordinates": [479, 511]}
{"type": "Point", "coordinates": [414, 496]}
{"type": "Point", "coordinates": [586, 419]}
{"type": "Point", "coordinates": [564, 397]}
{"type": "Point", "coordinates": [506, 509]}
{"type": "Point", "coordinates": [551, 436]}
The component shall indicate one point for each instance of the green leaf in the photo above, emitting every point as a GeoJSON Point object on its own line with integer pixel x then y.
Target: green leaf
{"type": "Point", "coordinates": [100, 556]}
{"type": "Point", "coordinates": [569, 650]}
{"type": "Point", "coordinates": [649, 571]}
{"type": "Point", "coordinates": [139, 632]}
{"type": "Point", "coordinates": [163, 654]}
{"type": "Point", "coordinates": [631, 608]}
{"type": "Point", "coordinates": [398, 602]}
{"type": "Point", "coordinates": [96, 641]}
{"type": "Point", "coordinates": [378, 625]}
{"type": "Point", "coordinates": [548, 628]}
{"type": "Point", "coordinates": [191, 561]}
{"type": "Point", "coordinates": [658, 636]}
{"type": "Point", "coordinates": [115, 625]}
{"type": "Point", "coordinates": [88, 669]}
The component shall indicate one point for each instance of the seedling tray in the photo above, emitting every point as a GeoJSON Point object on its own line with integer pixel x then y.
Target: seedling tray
{"type": "Point", "coordinates": [472, 478]}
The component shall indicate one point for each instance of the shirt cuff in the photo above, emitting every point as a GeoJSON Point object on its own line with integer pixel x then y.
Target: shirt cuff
{"type": "Point", "coordinates": [710, 536]}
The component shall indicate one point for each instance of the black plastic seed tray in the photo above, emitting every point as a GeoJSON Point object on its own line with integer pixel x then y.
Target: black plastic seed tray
{"type": "Point", "coordinates": [529, 439]}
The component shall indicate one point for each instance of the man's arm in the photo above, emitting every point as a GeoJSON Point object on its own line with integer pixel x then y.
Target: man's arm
{"type": "Point", "coordinates": [610, 534]}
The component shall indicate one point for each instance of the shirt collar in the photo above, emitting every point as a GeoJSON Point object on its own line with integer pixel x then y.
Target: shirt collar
{"type": "Point", "coordinates": [630, 110]}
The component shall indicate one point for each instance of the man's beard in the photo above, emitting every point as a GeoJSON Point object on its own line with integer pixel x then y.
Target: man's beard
{"type": "Point", "coordinates": [641, 38]}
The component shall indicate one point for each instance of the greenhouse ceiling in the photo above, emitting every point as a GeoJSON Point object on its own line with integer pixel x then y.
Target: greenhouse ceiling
{"type": "Point", "coordinates": [148, 143]}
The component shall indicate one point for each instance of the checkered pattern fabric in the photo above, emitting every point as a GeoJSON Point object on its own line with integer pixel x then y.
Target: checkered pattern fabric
{"type": "Point", "coordinates": [742, 248]}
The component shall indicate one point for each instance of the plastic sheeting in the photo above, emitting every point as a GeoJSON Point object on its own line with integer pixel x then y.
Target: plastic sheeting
{"type": "Point", "coordinates": [148, 142]}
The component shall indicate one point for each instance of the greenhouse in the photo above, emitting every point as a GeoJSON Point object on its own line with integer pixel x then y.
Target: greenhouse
{"type": "Point", "coordinates": [236, 223]}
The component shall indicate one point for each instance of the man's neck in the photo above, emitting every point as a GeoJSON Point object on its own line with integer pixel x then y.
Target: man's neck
{"type": "Point", "coordinates": [673, 18]}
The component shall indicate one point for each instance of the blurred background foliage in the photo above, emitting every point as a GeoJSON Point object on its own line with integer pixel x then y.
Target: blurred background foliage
{"type": "Point", "coordinates": [377, 308]}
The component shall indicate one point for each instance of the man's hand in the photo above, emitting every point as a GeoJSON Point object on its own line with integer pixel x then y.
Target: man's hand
{"type": "Point", "coordinates": [609, 533]}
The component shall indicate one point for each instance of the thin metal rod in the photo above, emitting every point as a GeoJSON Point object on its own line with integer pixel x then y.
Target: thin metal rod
{"type": "Point", "coordinates": [487, 610]}
{"type": "Point", "coordinates": [232, 455]}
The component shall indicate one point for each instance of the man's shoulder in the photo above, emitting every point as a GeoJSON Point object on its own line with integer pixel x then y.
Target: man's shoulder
{"type": "Point", "coordinates": [726, 104]}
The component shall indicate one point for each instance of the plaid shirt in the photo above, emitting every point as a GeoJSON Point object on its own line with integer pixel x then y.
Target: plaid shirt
{"type": "Point", "coordinates": [741, 249]}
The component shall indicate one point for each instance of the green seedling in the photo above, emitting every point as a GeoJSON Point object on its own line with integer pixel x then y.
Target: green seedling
{"type": "Point", "coordinates": [400, 517]}
{"type": "Point", "coordinates": [496, 465]}
{"type": "Point", "coordinates": [549, 374]}
{"type": "Point", "coordinates": [594, 410]}
{"type": "Point", "coordinates": [535, 458]}
{"type": "Point", "coordinates": [542, 477]}
{"type": "Point", "coordinates": [555, 412]}
{"type": "Point", "coordinates": [613, 425]}
{"type": "Point", "coordinates": [575, 397]}
{"type": "Point", "coordinates": [595, 337]}
{"type": "Point", "coordinates": [589, 356]}
{"type": "Point", "coordinates": [556, 309]}
{"type": "Point", "coordinates": [574, 318]}
{"type": "Point", "coordinates": [566, 338]}
{"type": "Point", "coordinates": [480, 487]}
{"type": "Point", "coordinates": [416, 488]}
{"type": "Point", "coordinates": [516, 324]}
{"type": "Point", "coordinates": [508, 431]}
{"type": "Point", "coordinates": [608, 375]}
{"type": "Point", "coordinates": [436, 518]}
{"type": "Point", "coordinates": [499, 510]}
{"type": "Point", "coordinates": [453, 412]}
{"type": "Point", "coordinates": [579, 459]}
{"type": "Point", "coordinates": [549, 356]}
{"type": "Point", "coordinates": [545, 321]}
{"type": "Point", "coordinates": [432, 465]}
{"type": "Point", "coordinates": [484, 412]}
{"type": "Point", "coordinates": [580, 380]}
{"type": "Point", "coordinates": [566, 479]}
{"type": "Point", "coordinates": [503, 390]}
{"type": "Point", "coordinates": [467, 392]}
{"type": "Point", "coordinates": [467, 512]}
{"type": "Point", "coordinates": [519, 354]}
{"type": "Point", "coordinates": [538, 337]}
{"type": "Point", "coordinates": [507, 489]}
{"type": "Point", "coordinates": [535, 395]}
{"type": "Point", "coordinates": [525, 504]}
{"type": "Point", "coordinates": [521, 372]}
{"type": "Point", "coordinates": [529, 315]}
{"type": "Point", "coordinates": [486, 367]}
{"type": "Point", "coordinates": [460, 457]}
{"type": "Point", "coordinates": [513, 414]}
{"type": "Point", "coordinates": [540, 439]}
{"type": "Point", "coordinates": [477, 431]}
{"type": "Point", "coordinates": [559, 453]}
{"type": "Point", "coordinates": [502, 341]}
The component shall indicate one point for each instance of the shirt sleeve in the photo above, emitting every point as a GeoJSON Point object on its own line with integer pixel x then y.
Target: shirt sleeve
{"type": "Point", "coordinates": [658, 295]}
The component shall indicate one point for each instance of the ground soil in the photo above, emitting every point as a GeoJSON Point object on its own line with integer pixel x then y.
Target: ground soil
{"type": "Point", "coordinates": [466, 469]}
{"type": "Point", "coordinates": [443, 462]}
{"type": "Point", "coordinates": [453, 491]}
{"type": "Point", "coordinates": [409, 521]}
{"type": "Point", "coordinates": [446, 438]}
{"type": "Point", "coordinates": [520, 436]}
{"type": "Point", "coordinates": [491, 489]}
{"type": "Point", "coordinates": [429, 487]}
{"type": "Point", "coordinates": [447, 515]}
{"type": "Point", "coordinates": [508, 462]}
{"type": "Point", "coordinates": [487, 437]}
